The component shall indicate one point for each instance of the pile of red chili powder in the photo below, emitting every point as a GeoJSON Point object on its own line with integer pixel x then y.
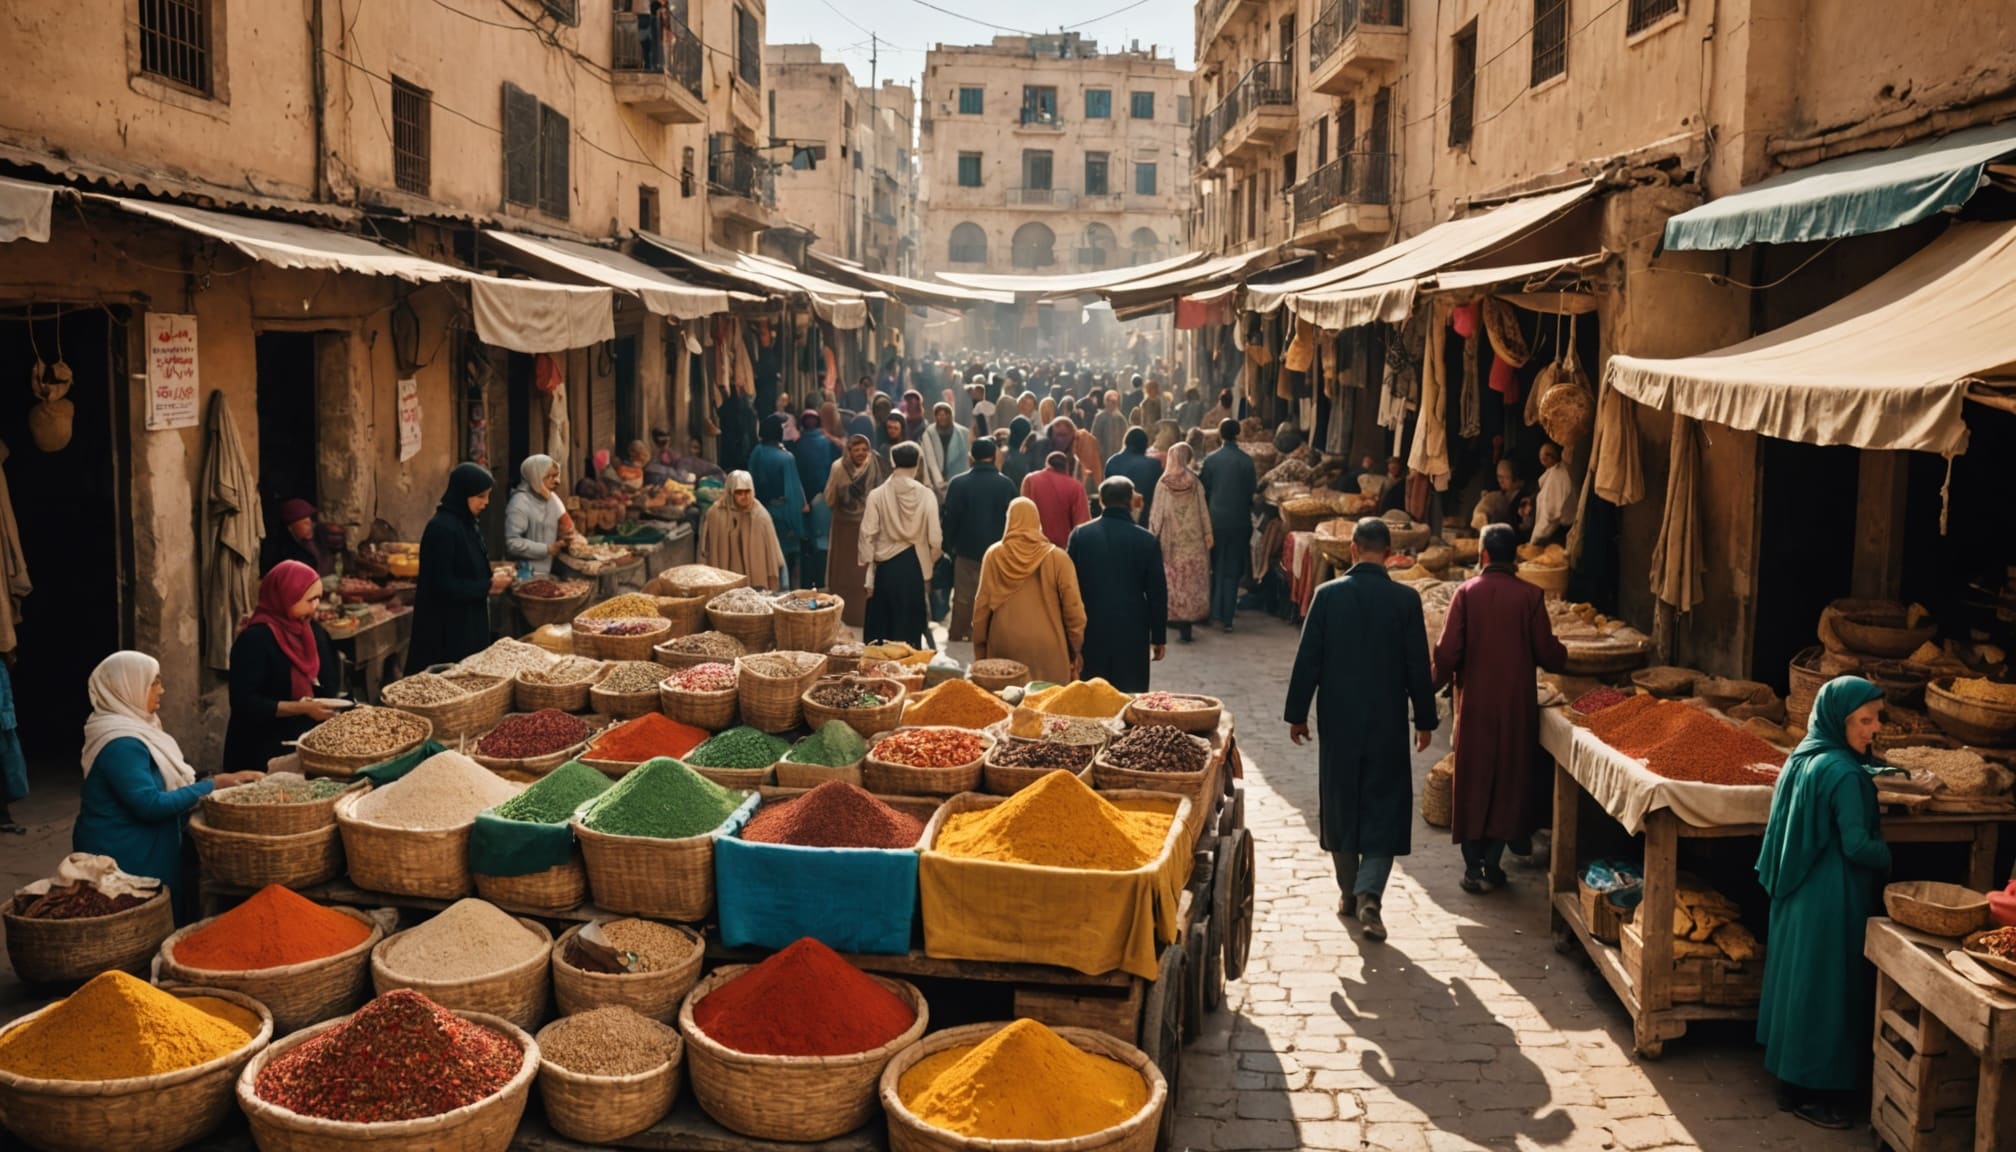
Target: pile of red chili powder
{"type": "Point", "coordinates": [1681, 742]}
{"type": "Point", "coordinates": [804, 1001]}
{"type": "Point", "coordinates": [401, 1057]}
{"type": "Point", "coordinates": [836, 814]}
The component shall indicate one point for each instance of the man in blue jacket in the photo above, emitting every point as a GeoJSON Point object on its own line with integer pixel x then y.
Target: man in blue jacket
{"type": "Point", "coordinates": [1133, 462]}
{"type": "Point", "coordinates": [1125, 590]}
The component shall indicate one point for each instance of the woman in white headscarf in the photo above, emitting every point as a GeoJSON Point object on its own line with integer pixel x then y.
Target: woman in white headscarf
{"type": "Point", "coordinates": [138, 788]}
{"type": "Point", "coordinates": [535, 521]}
{"type": "Point", "coordinates": [738, 535]}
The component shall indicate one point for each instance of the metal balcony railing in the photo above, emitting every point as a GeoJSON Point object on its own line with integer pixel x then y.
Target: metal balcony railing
{"type": "Point", "coordinates": [640, 45]}
{"type": "Point", "coordinates": [1354, 178]}
{"type": "Point", "coordinates": [736, 169]}
{"type": "Point", "coordinates": [1267, 84]}
{"type": "Point", "coordinates": [1042, 118]}
{"type": "Point", "coordinates": [1340, 18]}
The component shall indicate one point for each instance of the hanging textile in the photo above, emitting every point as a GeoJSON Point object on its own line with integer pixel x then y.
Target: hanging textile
{"type": "Point", "coordinates": [1613, 454]}
{"type": "Point", "coordinates": [1302, 349]}
{"type": "Point", "coordinates": [1429, 454]}
{"type": "Point", "coordinates": [1471, 423]}
{"type": "Point", "coordinates": [558, 427]}
{"type": "Point", "coordinates": [13, 573]}
{"type": "Point", "coordinates": [1677, 563]}
{"type": "Point", "coordinates": [232, 529]}
{"type": "Point", "coordinates": [1343, 418]}
{"type": "Point", "coordinates": [1508, 342]}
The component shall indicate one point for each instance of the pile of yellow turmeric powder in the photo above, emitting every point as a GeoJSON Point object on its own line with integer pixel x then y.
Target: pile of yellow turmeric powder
{"type": "Point", "coordinates": [1095, 698]}
{"type": "Point", "coordinates": [956, 704]}
{"type": "Point", "coordinates": [1058, 822]}
{"type": "Point", "coordinates": [1025, 1082]}
{"type": "Point", "coordinates": [117, 1027]}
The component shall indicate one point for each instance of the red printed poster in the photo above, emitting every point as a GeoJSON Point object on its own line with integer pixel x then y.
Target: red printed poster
{"type": "Point", "coordinates": [172, 388]}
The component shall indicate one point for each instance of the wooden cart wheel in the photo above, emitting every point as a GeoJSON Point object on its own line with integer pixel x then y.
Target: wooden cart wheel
{"type": "Point", "coordinates": [1193, 980]}
{"type": "Point", "coordinates": [1162, 1032]}
{"type": "Point", "coordinates": [1232, 814]}
{"type": "Point", "coordinates": [1213, 980]}
{"type": "Point", "coordinates": [1232, 899]}
{"type": "Point", "coordinates": [1202, 867]}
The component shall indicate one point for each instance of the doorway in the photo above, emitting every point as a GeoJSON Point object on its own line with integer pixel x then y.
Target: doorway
{"type": "Point", "coordinates": [286, 378]}
{"type": "Point", "coordinates": [628, 401]}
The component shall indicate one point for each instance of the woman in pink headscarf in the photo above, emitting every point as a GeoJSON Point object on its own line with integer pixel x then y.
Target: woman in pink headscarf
{"type": "Point", "coordinates": [281, 663]}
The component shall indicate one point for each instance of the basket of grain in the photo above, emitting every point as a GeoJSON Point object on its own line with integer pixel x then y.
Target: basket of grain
{"type": "Point", "coordinates": [1304, 513]}
{"type": "Point", "coordinates": [564, 685]}
{"type": "Point", "coordinates": [1409, 537]}
{"type": "Point", "coordinates": [1195, 714]}
{"type": "Point", "coordinates": [1884, 633]}
{"type": "Point", "coordinates": [547, 601]}
{"type": "Point", "coordinates": [795, 1098]}
{"type": "Point", "coordinates": [235, 810]}
{"type": "Point", "coordinates": [629, 690]}
{"type": "Point", "coordinates": [250, 860]}
{"type": "Point", "coordinates": [769, 686]}
{"type": "Point", "coordinates": [612, 1076]}
{"type": "Point", "coordinates": [1941, 909]}
{"type": "Point", "coordinates": [673, 951]}
{"type": "Point", "coordinates": [1974, 711]}
{"type": "Point", "coordinates": [510, 731]}
{"type": "Point", "coordinates": [411, 837]}
{"type": "Point", "coordinates": [620, 638]}
{"type": "Point", "coordinates": [699, 648]}
{"type": "Point", "coordinates": [45, 950]}
{"type": "Point", "coordinates": [155, 1113]}
{"type": "Point", "coordinates": [847, 698]}
{"type": "Point", "coordinates": [1803, 678]}
{"type": "Point", "coordinates": [296, 994]}
{"type": "Point", "coordinates": [926, 761]}
{"type": "Point", "coordinates": [684, 611]}
{"type": "Point", "coordinates": [996, 673]}
{"type": "Point", "coordinates": [648, 842]}
{"type": "Point", "coordinates": [1666, 681]}
{"type": "Point", "coordinates": [807, 621]}
{"type": "Point", "coordinates": [1549, 578]}
{"type": "Point", "coordinates": [361, 738]}
{"type": "Point", "coordinates": [701, 580]}
{"type": "Point", "coordinates": [457, 705]}
{"type": "Point", "coordinates": [709, 708]}
{"type": "Point", "coordinates": [844, 656]}
{"type": "Point", "coordinates": [470, 957]}
{"type": "Point", "coordinates": [747, 615]}
{"type": "Point", "coordinates": [1437, 793]}
{"type": "Point", "coordinates": [1015, 763]}
{"type": "Point", "coordinates": [909, 1133]}
{"type": "Point", "coordinates": [488, 1125]}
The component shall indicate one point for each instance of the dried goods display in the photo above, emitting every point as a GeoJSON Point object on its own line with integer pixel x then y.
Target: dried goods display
{"type": "Point", "coordinates": [364, 732]}
{"type": "Point", "coordinates": [608, 1042]}
{"type": "Point", "coordinates": [1157, 748]}
{"type": "Point", "coordinates": [117, 1027]}
{"type": "Point", "coordinates": [629, 604]}
{"type": "Point", "coordinates": [507, 658]}
{"type": "Point", "coordinates": [957, 703]}
{"type": "Point", "coordinates": [930, 748]}
{"type": "Point", "coordinates": [803, 1001]}
{"type": "Point", "coordinates": [534, 734]}
{"type": "Point", "coordinates": [2000, 942]}
{"type": "Point", "coordinates": [703, 678]}
{"type": "Point", "coordinates": [1043, 754]}
{"type": "Point", "coordinates": [834, 744]}
{"type": "Point", "coordinates": [468, 940]}
{"type": "Point", "coordinates": [1172, 702]}
{"type": "Point", "coordinates": [1985, 691]}
{"type": "Point", "coordinates": [447, 790]}
{"type": "Point", "coordinates": [73, 901]}
{"type": "Point", "coordinates": [280, 789]}
{"type": "Point", "coordinates": [1543, 556]}
{"type": "Point", "coordinates": [424, 689]}
{"type": "Point", "coordinates": [644, 945]}
{"type": "Point", "coordinates": [1095, 699]}
{"type": "Point", "coordinates": [401, 1057]}
{"type": "Point", "coordinates": [663, 799]}
{"type": "Point", "coordinates": [1959, 770]}
{"type": "Point", "coordinates": [644, 738]}
{"type": "Point", "coordinates": [699, 576]}
{"type": "Point", "coordinates": [848, 692]}
{"type": "Point", "coordinates": [1684, 743]}
{"type": "Point", "coordinates": [805, 602]}
{"type": "Point", "coordinates": [630, 676]}
{"type": "Point", "coordinates": [274, 927]}
{"type": "Point", "coordinates": [740, 747]}
{"type": "Point", "coordinates": [1598, 699]}
{"type": "Point", "coordinates": [622, 626]}
{"type": "Point", "coordinates": [1057, 822]}
{"type": "Point", "coordinates": [707, 644]}
{"type": "Point", "coordinates": [1033, 725]}
{"type": "Point", "coordinates": [743, 601]}
{"type": "Point", "coordinates": [836, 814]}
{"type": "Point", "coordinates": [996, 668]}
{"type": "Point", "coordinates": [565, 670]}
{"type": "Point", "coordinates": [553, 798]}
{"type": "Point", "coordinates": [780, 665]}
{"type": "Point", "coordinates": [1025, 1082]}
{"type": "Point", "coordinates": [546, 588]}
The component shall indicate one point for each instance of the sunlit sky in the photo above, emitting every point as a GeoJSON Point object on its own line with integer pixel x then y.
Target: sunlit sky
{"type": "Point", "coordinates": [908, 28]}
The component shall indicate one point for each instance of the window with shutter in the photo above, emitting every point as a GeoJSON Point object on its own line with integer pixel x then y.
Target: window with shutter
{"type": "Point", "coordinates": [521, 146]}
{"type": "Point", "coordinates": [748, 48]}
{"type": "Point", "coordinates": [554, 189]}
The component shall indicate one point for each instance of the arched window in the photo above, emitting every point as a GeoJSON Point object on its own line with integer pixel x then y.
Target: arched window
{"type": "Point", "coordinates": [1144, 245]}
{"type": "Point", "coordinates": [969, 244]}
{"type": "Point", "coordinates": [1101, 245]}
{"type": "Point", "coordinates": [1035, 246]}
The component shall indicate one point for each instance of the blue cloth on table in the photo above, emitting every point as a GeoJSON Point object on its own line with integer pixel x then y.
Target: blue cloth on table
{"type": "Point", "coordinates": [849, 899]}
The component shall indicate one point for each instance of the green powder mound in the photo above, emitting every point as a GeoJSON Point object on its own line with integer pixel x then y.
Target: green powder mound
{"type": "Point", "coordinates": [834, 745]}
{"type": "Point", "coordinates": [743, 747]}
{"type": "Point", "coordinates": [665, 799]}
{"type": "Point", "coordinates": [555, 797]}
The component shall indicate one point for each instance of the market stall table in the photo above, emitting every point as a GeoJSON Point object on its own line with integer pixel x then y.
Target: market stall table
{"type": "Point", "coordinates": [1922, 1003]}
{"type": "Point", "coordinates": [1667, 811]}
{"type": "Point", "coordinates": [375, 654]}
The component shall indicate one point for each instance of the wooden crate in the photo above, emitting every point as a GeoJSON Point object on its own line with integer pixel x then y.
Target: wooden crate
{"type": "Point", "coordinates": [1116, 1014]}
{"type": "Point", "coordinates": [1698, 980]}
{"type": "Point", "coordinates": [1605, 919]}
{"type": "Point", "coordinates": [1924, 1082]}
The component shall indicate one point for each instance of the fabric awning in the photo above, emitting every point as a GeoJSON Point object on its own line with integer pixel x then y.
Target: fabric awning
{"type": "Point", "coordinates": [1850, 195]}
{"type": "Point", "coordinates": [837, 304]}
{"type": "Point", "coordinates": [1163, 288]}
{"type": "Point", "coordinates": [522, 315]}
{"type": "Point", "coordinates": [1053, 287]}
{"type": "Point", "coordinates": [1368, 284]}
{"type": "Point", "coordinates": [1887, 367]}
{"type": "Point", "coordinates": [1376, 297]}
{"type": "Point", "coordinates": [918, 292]}
{"type": "Point", "coordinates": [660, 293]}
{"type": "Point", "coordinates": [24, 209]}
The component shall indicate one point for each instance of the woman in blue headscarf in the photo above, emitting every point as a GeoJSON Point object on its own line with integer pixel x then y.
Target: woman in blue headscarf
{"type": "Point", "coordinates": [1822, 862]}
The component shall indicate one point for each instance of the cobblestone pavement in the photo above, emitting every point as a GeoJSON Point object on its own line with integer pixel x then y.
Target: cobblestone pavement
{"type": "Point", "coordinates": [1464, 1030]}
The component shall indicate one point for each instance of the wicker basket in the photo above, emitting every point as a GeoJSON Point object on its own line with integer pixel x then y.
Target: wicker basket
{"type": "Point", "coordinates": [489, 1125]}
{"type": "Point", "coordinates": [1969, 721]}
{"type": "Point", "coordinates": [469, 714]}
{"type": "Point", "coordinates": [742, 779]}
{"type": "Point", "coordinates": [796, 1098]}
{"type": "Point", "coordinates": [1014, 678]}
{"type": "Point", "coordinates": [713, 711]}
{"type": "Point", "coordinates": [757, 631]}
{"type": "Point", "coordinates": [1411, 538]}
{"type": "Point", "coordinates": [770, 703]}
{"type": "Point", "coordinates": [244, 860]}
{"type": "Point", "coordinates": [601, 1109]}
{"type": "Point", "coordinates": [1941, 909]}
{"type": "Point", "coordinates": [623, 705]}
{"type": "Point", "coordinates": [1008, 779]}
{"type": "Point", "coordinates": [517, 994]}
{"type": "Point", "coordinates": [332, 764]}
{"type": "Point", "coordinates": [700, 580]}
{"type": "Point", "coordinates": [1881, 633]}
{"type": "Point", "coordinates": [72, 951]}
{"type": "Point", "coordinates": [843, 657]}
{"type": "Point", "coordinates": [540, 611]}
{"type": "Point", "coordinates": [653, 994]}
{"type": "Point", "coordinates": [1551, 580]}
{"type": "Point", "coordinates": [534, 765]}
{"type": "Point", "coordinates": [791, 774]}
{"type": "Point", "coordinates": [907, 1133]}
{"type": "Point", "coordinates": [867, 722]}
{"type": "Point", "coordinates": [677, 660]}
{"type": "Point", "coordinates": [599, 646]}
{"type": "Point", "coordinates": [886, 779]}
{"type": "Point", "coordinates": [684, 611]}
{"type": "Point", "coordinates": [1108, 777]}
{"type": "Point", "coordinates": [273, 819]}
{"type": "Point", "coordinates": [548, 890]}
{"type": "Point", "coordinates": [296, 994]}
{"type": "Point", "coordinates": [432, 863]}
{"type": "Point", "coordinates": [1437, 799]}
{"type": "Point", "coordinates": [1902, 683]}
{"type": "Point", "coordinates": [649, 876]}
{"type": "Point", "coordinates": [1196, 721]}
{"type": "Point", "coordinates": [528, 697]}
{"type": "Point", "coordinates": [809, 629]}
{"type": "Point", "coordinates": [139, 1114]}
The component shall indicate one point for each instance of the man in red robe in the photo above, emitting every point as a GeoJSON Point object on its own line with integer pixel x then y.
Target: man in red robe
{"type": "Point", "coordinates": [1495, 636]}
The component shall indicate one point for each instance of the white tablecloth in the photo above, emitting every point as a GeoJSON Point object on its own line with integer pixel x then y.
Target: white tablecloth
{"type": "Point", "coordinates": [1627, 790]}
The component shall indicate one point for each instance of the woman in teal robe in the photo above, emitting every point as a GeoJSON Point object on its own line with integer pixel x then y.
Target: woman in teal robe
{"type": "Point", "coordinates": [1822, 863]}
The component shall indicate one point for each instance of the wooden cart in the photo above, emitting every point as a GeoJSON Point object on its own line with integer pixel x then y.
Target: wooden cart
{"type": "Point", "coordinates": [1943, 1045]}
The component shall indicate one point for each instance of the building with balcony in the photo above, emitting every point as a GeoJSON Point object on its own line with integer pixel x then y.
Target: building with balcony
{"type": "Point", "coordinates": [843, 157]}
{"type": "Point", "coordinates": [1043, 154]}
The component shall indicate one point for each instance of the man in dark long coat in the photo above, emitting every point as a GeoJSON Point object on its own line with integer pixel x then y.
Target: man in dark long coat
{"type": "Point", "coordinates": [1496, 635]}
{"type": "Point", "coordinates": [1229, 482]}
{"type": "Point", "coordinates": [1125, 589]}
{"type": "Point", "coordinates": [1366, 646]}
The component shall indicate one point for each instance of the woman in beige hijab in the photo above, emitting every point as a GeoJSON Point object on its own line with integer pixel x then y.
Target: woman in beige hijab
{"type": "Point", "coordinates": [1028, 607]}
{"type": "Point", "coordinates": [737, 535]}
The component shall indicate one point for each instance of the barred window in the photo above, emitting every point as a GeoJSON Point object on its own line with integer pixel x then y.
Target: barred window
{"type": "Point", "coordinates": [554, 185]}
{"type": "Point", "coordinates": [1550, 39]}
{"type": "Point", "coordinates": [748, 48]}
{"type": "Point", "coordinates": [412, 136]}
{"type": "Point", "coordinates": [175, 42]}
{"type": "Point", "coordinates": [1463, 86]}
{"type": "Point", "coordinates": [1645, 13]}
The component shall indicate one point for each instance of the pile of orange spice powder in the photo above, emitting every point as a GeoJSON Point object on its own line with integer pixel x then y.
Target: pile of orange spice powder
{"type": "Point", "coordinates": [1681, 742]}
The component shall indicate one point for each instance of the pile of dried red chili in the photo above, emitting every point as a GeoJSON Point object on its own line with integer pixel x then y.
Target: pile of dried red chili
{"type": "Point", "coordinates": [804, 1001]}
{"type": "Point", "coordinates": [648, 736]}
{"type": "Point", "coordinates": [1599, 699]}
{"type": "Point", "coordinates": [930, 748]}
{"type": "Point", "coordinates": [1681, 742]}
{"type": "Point", "coordinates": [402, 1057]}
{"type": "Point", "coordinates": [836, 814]}
{"type": "Point", "coordinates": [73, 902]}
{"type": "Point", "coordinates": [540, 733]}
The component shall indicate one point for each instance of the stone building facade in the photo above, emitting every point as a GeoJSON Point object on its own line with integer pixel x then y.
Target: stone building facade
{"type": "Point", "coordinates": [845, 174]}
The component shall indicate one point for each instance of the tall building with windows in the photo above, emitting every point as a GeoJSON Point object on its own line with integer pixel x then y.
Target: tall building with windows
{"type": "Point", "coordinates": [1043, 154]}
{"type": "Point", "coordinates": [844, 177]}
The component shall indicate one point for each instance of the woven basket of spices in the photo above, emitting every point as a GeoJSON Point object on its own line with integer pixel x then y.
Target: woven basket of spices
{"type": "Point", "coordinates": [769, 686]}
{"type": "Point", "coordinates": [554, 889]}
{"type": "Point", "coordinates": [807, 621]}
{"type": "Point", "coordinates": [996, 673]}
{"type": "Point", "coordinates": [712, 709]}
{"type": "Point", "coordinates": [699, 648]}
{"type": "Point", "coordinates": [1015, 763]}
{"type": "Point", "coordinates": [1198, 715]}
{"type": "Point", "coordinates": [296, 994]}
{"type": "Point", "coordinates": [136, 1114]}
{"type": "Point", "coordinates": [427, 862]}
{"type": "Point", "coordinates": [823, 701]}
{"type": "Point", "coordinates": [622, 638]}
{"type": "Point", "coordinates": [61, 951]}
{"type": "Point", "coordinates": [249, 860]}
{"type": "Point", "coordinates": [516, 993]}
{"type": "Point", "coordinates": [489, 1125]}
{"type": "Point", "coordinates": [482, 703]}
{"type": "Point", "coordinates": [684, 611]}
{"type": "Point", "coordinates": [756, 630]}
{"type": "Point", "coordinates": [909, 1133]}
{"type": "Point", "coordinates": [361, 738]}
{"type": "Point", "coordinates": [598, 1109]}
{"type": "Point", "coordinates": [278, 819]}
{"type": "Point", "coordinates": [656, 994]}
{"type": "Point", "coordinates": [664, 878]}
{"type": "Point", "coordinates": [795, 1098]}
{"type": "Point", "coordinates": [1156, 758]}
{"type": "Point", "coordinates": [629, 690]}
{"type": "Point", "coordinates": [701, 580]}
{"type": "Point", "coordinates": [926, 761]}
{"type": "Point", "coordinates": [514, 728]}
{"type": "Point", "coordinates": [533, 691]}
